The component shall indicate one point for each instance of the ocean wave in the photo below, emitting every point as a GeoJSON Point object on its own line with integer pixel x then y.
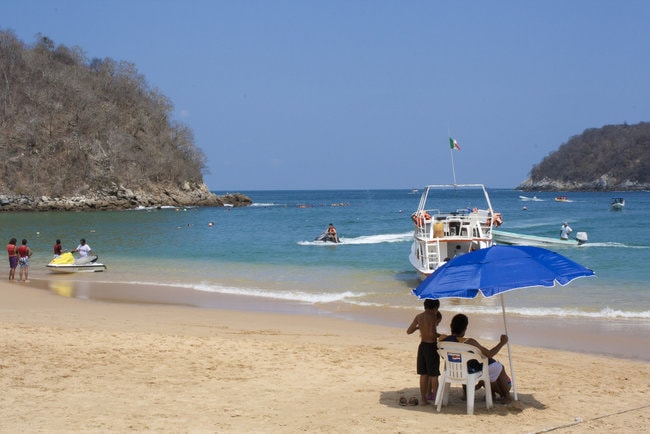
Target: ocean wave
{"type": "Point", "coordinates": [366, 239]}
{"type": "Point", "coordinates": [365, 299]}
{"type": "Point", "coordinates": [605, 313]}
{"type": "Point", "coordinates": [613, 244]}
{"type": "Point", "coordinates": [300, 296]}
{"type": "Point", "coordinates": [297, 296]}
{"type": "Point", "coordinates": [262, 204]}
{"type": "Point", "coordinates": [156, 207]}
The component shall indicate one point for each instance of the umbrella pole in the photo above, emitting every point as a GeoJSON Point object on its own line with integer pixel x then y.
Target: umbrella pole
{"type": "Point", "coordinates": [512, 370]}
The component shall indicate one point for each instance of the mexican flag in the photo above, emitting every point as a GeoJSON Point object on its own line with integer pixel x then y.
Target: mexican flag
{"type": "Point", "coordinates": [453, 144]}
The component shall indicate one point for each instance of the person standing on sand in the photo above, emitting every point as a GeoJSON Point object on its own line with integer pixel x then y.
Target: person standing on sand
{"type": "Point", "coordinates": [13, 258]}
{"type": "Point", "coordinates": [24, 253]}
{"type": "Point", "coordinates": [428, 360]}
{"type": "Point", "coordinates": [58, 248]}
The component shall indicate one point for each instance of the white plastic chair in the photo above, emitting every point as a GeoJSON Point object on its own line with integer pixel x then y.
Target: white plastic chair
{"type": "Point", "coordinates": [455, 356]}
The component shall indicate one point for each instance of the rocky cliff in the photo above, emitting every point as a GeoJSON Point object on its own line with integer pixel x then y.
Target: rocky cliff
{"type": "Point", "coordinates": [118, 197]}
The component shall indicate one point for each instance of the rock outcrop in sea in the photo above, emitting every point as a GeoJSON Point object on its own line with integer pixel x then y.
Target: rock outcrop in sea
{"type": "Point", "coordinates": [604, 183]}
{"type": "Point", "coordinates": [118, 197]}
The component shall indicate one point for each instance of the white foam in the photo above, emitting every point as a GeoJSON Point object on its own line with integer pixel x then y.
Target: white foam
{"type": "Point", "coordinates": [264, 204]}
{"type": "Point", "coordinates": [301, 296]}
{"type": "Point", "coordinates": [553, 312]}
{"type": "Point", "coordinates": [151, 208]}
{"type": "Point", "coordinates": [366, 239]}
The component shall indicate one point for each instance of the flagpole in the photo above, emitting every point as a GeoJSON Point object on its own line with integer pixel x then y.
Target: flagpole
{"type": "Point", "coordinates": [453, 168]}
{"type": "Point", "coordinates": [451, 152]}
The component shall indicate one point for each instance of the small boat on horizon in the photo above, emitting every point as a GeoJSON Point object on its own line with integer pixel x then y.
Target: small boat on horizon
{"type": "Point", "coordinates": [562, 199]}
{"type": "Point", "coordinates": [617, 204]}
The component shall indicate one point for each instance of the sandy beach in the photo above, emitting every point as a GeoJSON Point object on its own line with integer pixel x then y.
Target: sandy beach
{"type": "Point", "coordinates": [75, 365]}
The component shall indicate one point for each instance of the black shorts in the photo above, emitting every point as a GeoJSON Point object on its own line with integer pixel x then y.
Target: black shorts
{"type": "Point", "coordinates": [428, 359]}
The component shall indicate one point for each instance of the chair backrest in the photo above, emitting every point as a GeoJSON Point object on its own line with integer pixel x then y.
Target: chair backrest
{"type": "Point", "coordinates": [456, 355]}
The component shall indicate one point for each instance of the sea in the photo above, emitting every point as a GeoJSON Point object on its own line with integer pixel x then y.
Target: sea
{"type": "Point", "coordinates": [265, 256]}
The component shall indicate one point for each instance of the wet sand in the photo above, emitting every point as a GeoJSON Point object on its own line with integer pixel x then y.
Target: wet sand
{"type": "Point", "coordinates": [79, 364]}
{"type": "Point", "coordinates": [612, 337]}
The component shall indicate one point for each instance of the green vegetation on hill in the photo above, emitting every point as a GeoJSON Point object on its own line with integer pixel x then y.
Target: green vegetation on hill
{"type": "Point", "coordinates": [614, 157]}
{"type": "Point", "coordinates": [73, 126]}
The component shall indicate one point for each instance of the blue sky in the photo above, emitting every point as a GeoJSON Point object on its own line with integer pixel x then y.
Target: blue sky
{"type": "Point", "coordinates": [364, 94]}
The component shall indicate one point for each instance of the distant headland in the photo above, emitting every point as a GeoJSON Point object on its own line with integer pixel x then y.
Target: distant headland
{"type": "Point", "coordinates": [611, 158]}
{"type": "Point", "coordinates": [91, 134]}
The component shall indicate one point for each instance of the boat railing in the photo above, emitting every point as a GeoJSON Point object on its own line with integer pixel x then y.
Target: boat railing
{"type": "Point", "coordinates": [457, 228]}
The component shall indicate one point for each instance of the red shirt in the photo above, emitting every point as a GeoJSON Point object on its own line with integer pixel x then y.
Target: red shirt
{"type": "Point", "coordinates": [11, 250]}
{"type": "Point", "coordinates": [22, 251]}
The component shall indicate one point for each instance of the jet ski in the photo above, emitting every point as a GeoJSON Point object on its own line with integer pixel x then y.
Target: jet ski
{"type": "Point", "coordinates": [326, 237]}
{"type": "Point", "coordinates": [67, 263]}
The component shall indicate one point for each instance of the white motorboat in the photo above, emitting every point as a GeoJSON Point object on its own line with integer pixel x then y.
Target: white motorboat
{"type": "Point", "coordinates": [67, 263]}
{"type": "Point", "coordinates": [439, 236]}
{"type": "Point", "coordinates": [617, 204]}
{"type": "Point", "coordinates": [512, 238]}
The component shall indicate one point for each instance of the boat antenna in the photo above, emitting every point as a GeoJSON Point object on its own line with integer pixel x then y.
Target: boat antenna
{"type": "Point", "coordinates": [453, 145]}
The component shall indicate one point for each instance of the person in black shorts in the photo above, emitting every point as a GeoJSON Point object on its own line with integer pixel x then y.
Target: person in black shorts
{"type": "Point", "coordinates": [428, 360]}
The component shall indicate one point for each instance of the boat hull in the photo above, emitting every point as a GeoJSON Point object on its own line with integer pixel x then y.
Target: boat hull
{"type": "Point", "coordinates": [76, 268]}
{"type": "Point", "coordinates": [512, 238]}
{"type": "Point", "coordinates": [618, 204]}
{"type": "Point", "coordinates": [66, 263]}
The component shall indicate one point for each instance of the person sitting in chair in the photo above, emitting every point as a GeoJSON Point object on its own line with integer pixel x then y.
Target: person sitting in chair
{"type": "Point", "coordinates": [499, 380]}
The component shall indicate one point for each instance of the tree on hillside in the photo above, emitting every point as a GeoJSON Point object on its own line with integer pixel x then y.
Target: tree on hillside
{"type": "Point", "coordinates": [69, 125]}
{"type": "Point", "coordinates": [619, 152]}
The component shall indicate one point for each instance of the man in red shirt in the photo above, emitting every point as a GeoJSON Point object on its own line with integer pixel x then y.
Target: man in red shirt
{"type": "Point", "coordinates": [13, 258]}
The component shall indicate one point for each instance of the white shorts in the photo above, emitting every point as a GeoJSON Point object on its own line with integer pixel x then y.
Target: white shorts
{"type": "Point", "coordinates": [495, 370]}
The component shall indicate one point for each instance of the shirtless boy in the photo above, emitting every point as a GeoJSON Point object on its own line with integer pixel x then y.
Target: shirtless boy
{"type": "Point", "coordinates": [428, 364]}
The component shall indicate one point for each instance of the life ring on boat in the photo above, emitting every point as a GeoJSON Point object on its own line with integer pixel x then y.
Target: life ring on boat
{"type": "Point", "coordinates": [420, 217]}
{"type": "Point", "coordinates": [498, 221]}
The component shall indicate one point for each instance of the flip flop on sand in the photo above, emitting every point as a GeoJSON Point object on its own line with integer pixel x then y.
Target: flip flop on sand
{"type": "Point", "coordinates": [402, 401]}
{"type": "Point", "coordinates": [413, 401]}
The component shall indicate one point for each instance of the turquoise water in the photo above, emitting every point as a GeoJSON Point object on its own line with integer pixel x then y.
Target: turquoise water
{"type": "Point", "coordinates": [267, 252]}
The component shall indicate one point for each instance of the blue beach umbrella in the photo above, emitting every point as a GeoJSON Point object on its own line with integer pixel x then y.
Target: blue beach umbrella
{"type": "Point", "coordinates": [499, 269]}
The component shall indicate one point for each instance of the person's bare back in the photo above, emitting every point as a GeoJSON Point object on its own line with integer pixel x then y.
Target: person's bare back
{"type": "Point", "coordinates": [426, 322]}
{"type": "Point", "coordinates": [428, 361]}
